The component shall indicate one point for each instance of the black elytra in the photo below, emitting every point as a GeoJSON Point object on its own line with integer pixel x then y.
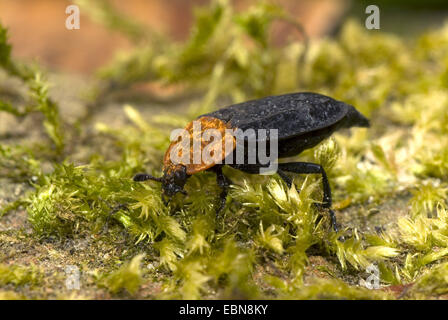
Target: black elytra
{"type": "Point", "coordinates": [302, 119]}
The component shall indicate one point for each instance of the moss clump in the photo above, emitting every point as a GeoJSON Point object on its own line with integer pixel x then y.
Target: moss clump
{"type": "Point", "coordinates": [19, 275]}
{"type": "Point", "coordinates": [128, 277]}
{"type": "Point", "coordinates": [332, 289]}
{"type": "Point", "coordinates": [433, 282]}
{"type": "Point", "coordinates": [10, 295]}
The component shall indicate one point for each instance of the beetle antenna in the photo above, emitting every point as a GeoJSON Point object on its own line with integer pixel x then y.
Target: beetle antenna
{"type": "Point", "coordinates": [144, 176]}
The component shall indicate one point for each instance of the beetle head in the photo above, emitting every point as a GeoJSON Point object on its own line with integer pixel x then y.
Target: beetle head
{"type": "Point", "coordinates": [174, 180]}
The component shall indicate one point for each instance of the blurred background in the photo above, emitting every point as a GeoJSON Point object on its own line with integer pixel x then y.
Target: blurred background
{"type": "Point", "coordinates": [37, 28]}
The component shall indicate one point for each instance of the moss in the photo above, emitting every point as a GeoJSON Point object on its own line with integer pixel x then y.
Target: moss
{"type": "Point", "coordinates": [52, 123]}
{"type": "Point", "coordinates": [19, 275]}
{"type": "Point", "coordinates": [434, 282]}
{"type": "Point", "coordinates": [5, 47]}
{"type": "Point", "coordinates": [128, 277]}
{"type": "Point", "coordinates": [426, 198]}
{"type": "Point", "coordinates": [10, 295]}
{"type": "Point", "coordinates": [102, 12]}
{"type": "Point", "coordinates": [333, 289]}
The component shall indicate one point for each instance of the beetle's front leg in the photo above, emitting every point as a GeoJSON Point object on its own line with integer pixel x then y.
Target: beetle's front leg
{"type": "Point", "coordinates": [224, 183]}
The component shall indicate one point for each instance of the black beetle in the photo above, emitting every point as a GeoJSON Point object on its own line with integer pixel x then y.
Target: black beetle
{"type": "Point", "coordinates": [302, 119]}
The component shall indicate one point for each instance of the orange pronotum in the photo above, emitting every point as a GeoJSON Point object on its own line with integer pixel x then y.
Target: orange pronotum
{"type": "Point", "coordinates": [217, 150]}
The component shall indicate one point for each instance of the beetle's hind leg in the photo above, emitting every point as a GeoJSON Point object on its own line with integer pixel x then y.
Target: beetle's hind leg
{"type": "Point", "coordinates": [311, 168]}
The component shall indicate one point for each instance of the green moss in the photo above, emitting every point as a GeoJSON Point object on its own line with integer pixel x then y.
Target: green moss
{"type": "Point", "coordinates": [128, 277]}
{"type": "Point", "coordinates": [19, 163]}
{"type": "Point", "coordinates": [38, 91]}
{"type": "Point", "coordinates": [426, 198]}
{"type": "Point", "coordinates": [330, 289]}
{"type": "Point", "coordinates": [52, 123]}
{"type": "Point", "coordinates": [102, 12]}
{"type": "Point", "coordinates": [19, 275]}
{"type": "Point", "coordinates": [10, 295]}
{"type": "Point", "coordinates": [432, 283]}
{"type": "Point", "coordinates": [5, 47]}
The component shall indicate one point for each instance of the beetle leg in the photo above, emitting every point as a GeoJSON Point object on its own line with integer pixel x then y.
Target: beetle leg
{"type": "Point", "coordinates": [165, 200]}
{"type": "Point", "coordinates": [285, 178]}
{"type": "Point", "coordinates": [113, 210]}
{"type": "Point", "coordinates": [334, 222]}
{"type": "Point", "coordinates": [310, 168]}
{"type": "Point", "coordinates": [223, 183]}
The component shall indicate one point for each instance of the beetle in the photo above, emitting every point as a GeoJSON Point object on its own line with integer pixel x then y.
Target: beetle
{"type": "Point", "coordinates": [302, 121]}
